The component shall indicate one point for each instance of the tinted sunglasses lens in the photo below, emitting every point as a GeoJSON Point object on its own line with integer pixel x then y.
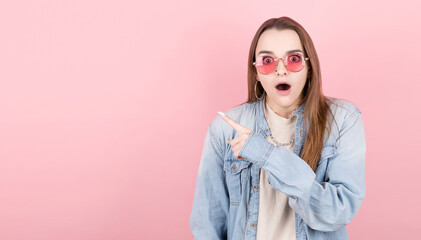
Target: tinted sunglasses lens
{"type": "Point", "coordinates": [265, 64]}
{"type": "Point", "coordinates": [294, 62]}
{"type": "Point", "coordinates": [266, 69]}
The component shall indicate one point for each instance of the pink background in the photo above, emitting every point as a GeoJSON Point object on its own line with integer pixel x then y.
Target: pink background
{"type": "Point", "coordinates": [104, 106]}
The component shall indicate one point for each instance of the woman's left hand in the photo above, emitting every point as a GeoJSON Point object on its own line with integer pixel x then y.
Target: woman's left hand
{"type": "Point", "coordinates": [243, 132]}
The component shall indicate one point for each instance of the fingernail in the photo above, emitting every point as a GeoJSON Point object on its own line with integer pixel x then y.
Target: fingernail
{"type": "Point", "coordinates": [221, 113]}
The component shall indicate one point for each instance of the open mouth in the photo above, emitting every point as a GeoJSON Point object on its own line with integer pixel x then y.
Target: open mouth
{"type": "Point", "coordinates": [283, 86]}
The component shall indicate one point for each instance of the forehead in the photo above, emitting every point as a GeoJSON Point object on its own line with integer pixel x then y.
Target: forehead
{"type": "Point", "coordinates": [278, 41]}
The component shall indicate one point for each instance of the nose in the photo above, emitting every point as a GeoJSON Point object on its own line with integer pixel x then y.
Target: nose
{"type": "Point", "coordinates": [280, 68]}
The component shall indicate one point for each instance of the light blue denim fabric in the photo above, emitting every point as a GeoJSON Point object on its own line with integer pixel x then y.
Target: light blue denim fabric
{"type": "Point", "coordinates": [226, 198]}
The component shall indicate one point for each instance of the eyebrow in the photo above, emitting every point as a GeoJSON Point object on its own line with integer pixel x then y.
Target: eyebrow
{"type": "Point", "coordinates": [288, 52]}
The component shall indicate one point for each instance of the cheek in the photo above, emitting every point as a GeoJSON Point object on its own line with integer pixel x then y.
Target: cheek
{"type": "Point", "coordinates": [303, 74]}
{"type": "Point", "coordinates": [299, 85]}
{"type": "Point", "coordinates": [302, 79]}
{"type": "Point", "coordinates": [265, 83]}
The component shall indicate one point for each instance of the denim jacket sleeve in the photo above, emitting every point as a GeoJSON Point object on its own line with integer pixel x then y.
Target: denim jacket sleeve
{"type": "Point", "coordinates": [325, 206]}
{"type": "Point", "coordinates": [211, 200]}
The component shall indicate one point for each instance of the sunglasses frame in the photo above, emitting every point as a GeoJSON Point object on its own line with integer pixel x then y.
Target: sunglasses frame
{"type": "Point", "coordinates": [276, 60]}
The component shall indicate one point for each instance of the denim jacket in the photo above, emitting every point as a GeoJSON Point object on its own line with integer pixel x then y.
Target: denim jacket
{"type": "Point", "coordinates": [226, 198]}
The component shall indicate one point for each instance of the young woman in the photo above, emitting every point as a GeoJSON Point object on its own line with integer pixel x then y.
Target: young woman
{"type": "Point", "coordinates": [289, 162]}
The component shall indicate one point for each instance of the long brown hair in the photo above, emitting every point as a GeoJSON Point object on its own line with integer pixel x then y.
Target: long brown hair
{"type": "Point", "coordinates": [316, 104]}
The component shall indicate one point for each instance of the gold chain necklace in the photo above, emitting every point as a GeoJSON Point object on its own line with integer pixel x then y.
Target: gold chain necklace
{"type": "Point", "coordinates": [281, 144]}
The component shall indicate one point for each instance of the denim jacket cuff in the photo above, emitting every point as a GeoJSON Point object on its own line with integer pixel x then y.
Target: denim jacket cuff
{"type": "Point", "coordinates": [256, 149]}
{"type": "Point", "coordinates": [281, 163]}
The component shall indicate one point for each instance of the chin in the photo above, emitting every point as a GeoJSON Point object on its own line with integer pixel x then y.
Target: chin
{"type": "Point", "coordinates": [284, 101]}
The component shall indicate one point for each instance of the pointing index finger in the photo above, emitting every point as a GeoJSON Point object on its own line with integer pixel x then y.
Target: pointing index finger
{"type": "Point", "coordinates": [240, 128]}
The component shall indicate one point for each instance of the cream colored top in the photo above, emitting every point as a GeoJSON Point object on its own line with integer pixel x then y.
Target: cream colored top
{"type": "Point", "coordinates": [276, 218]}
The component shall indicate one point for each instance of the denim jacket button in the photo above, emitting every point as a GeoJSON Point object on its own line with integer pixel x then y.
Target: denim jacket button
{"type": "Point", "coordinates": [234, 167]}
{"type": "Point", "coordinates": [255, 187]}
{"type": "Point", "coordinates": [253, 224]}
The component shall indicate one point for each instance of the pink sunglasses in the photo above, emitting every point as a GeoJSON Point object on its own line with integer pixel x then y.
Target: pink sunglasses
{"type": "Point", "coordinates": [294, 62]}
